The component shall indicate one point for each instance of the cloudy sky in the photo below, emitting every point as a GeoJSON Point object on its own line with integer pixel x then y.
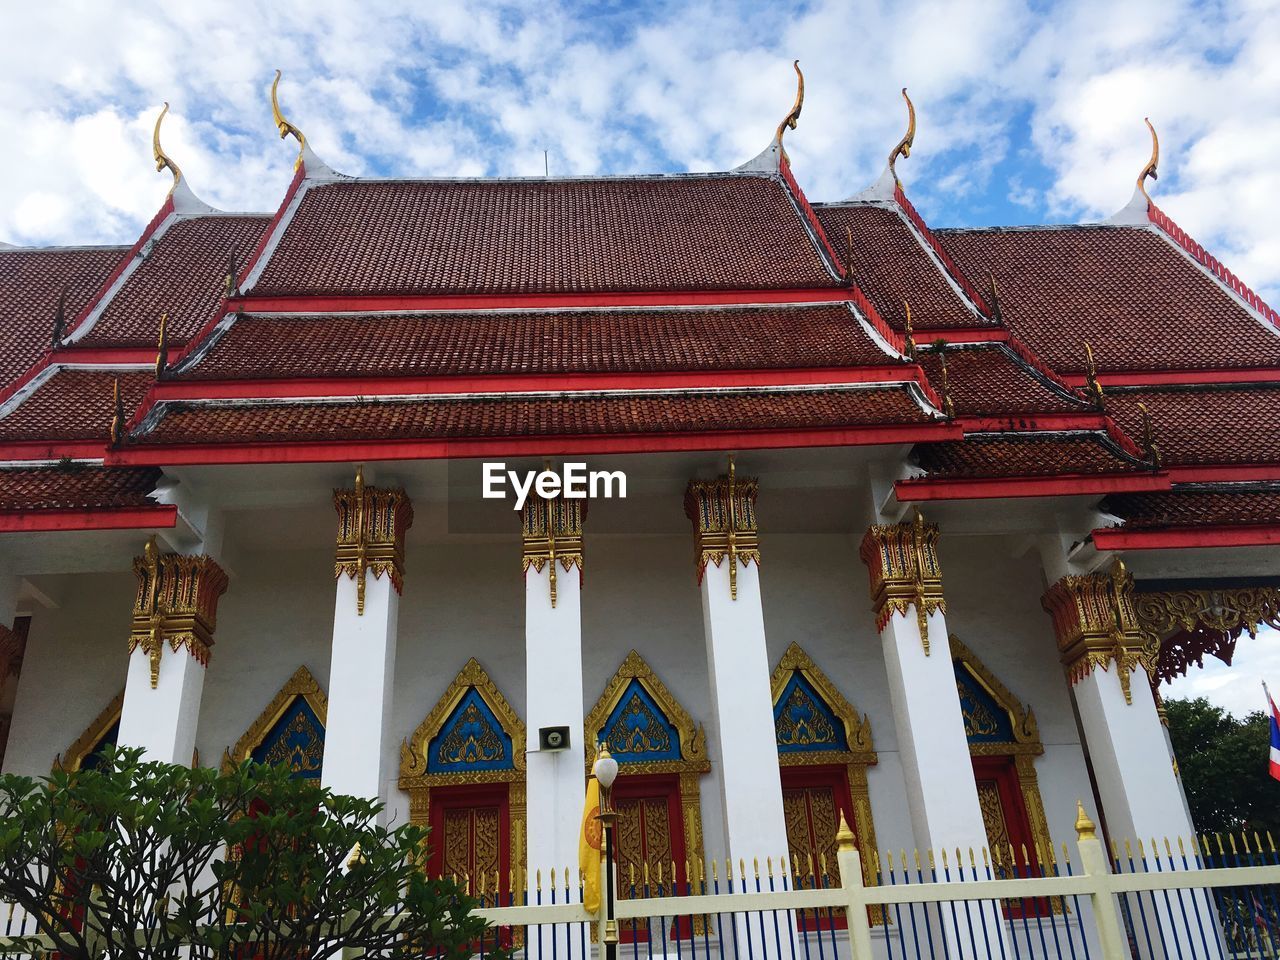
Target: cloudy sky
{"type": "Point", "coordinates": [1028, 112]}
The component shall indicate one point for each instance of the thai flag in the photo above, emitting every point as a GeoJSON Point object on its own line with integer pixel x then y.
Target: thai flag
{"type": "Point", "coordinates": [1275, 734]}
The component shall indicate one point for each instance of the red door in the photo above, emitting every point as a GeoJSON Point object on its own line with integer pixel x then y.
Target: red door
{"type": "Point", "coordinates": [470, 827]}
{"type": "Point", "coordinates": [813, 798]}
{"type": "Point", "coordinates": [649, 834]}
{"type": "Point", "coordinates": [1009, 837]}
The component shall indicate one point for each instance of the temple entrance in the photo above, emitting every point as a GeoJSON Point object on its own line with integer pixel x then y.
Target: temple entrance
{"type": "Point", "coordinates": [1004, 814]}
{"type": "Point", "coordinates": [813, 798]}
{"type": "Point", "coordinates": [468, 827]}
{"type": "Point", "coordinates": [650, 842]}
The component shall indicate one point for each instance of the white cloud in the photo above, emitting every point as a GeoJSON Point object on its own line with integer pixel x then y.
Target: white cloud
{"type": "Point", "coordinates": [1237, 688]}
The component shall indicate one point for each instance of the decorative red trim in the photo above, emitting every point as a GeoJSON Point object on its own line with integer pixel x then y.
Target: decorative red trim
{"type": "Point", "coordinates": [978, 300]}
{"type": "Point", "coordinates": [518, 383]}
{"type": "Point", "coordinates": [1172, 538]}
{"type": "Point", "coordinates": [27, 376]}
{"type": "Point", "coordinates": [342, 451]}
{"type": "Point", "coordinates": [1033, 361]}
{"type": "Point", "coordinates": [1065, 485]}
{"type": "Point", "coordinates": [293, 303]}
{"type": "Point", "coordinates": [1224, 473]}
{"type": "Point", "coordinates": [784, 167]}
{"type": "Point", "coordinates": [962, 335]}
{"type": "Point", "coordinates": [1156, 378]}
{"type": "Point", "coordinates": [52, 449]}
{"type": "Point", "coordinates": [127, 518]}
{"type": "Point", "coordinates": [1122, 441]}
{"type": "Point", "coordinates": [1033, 423]}
{"type": "Point", "coordinates": [1210, 262]}
{"type": "Point", "coordinates": [85, 355]}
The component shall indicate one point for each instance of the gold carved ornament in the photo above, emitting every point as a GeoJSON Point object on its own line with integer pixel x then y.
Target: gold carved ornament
{"type": "Point", "coordinates": [693, 762]}
{"type": "Point", "coordinates": [902, 560]}
{"type": "Point", "coordinates": [1095, 624]}
{"type": "Point", "coordinates": [723, 512]}
{"type": "Point", "coordinates": [903, 147]}
{"type": "Point", "coordinates": [791, 119]}
{"type": "Point", "coordinates": [552, 534]}
{"type": "Point", "coordinates": [284, 126]}
{"type": "Point", "coordinates": [860, 755]}
{"type": "Point", "coordinates": [1192, 623]}
{"type": "Point", "coordinates": [418, 783]}
{"type": "Point", "coordinates": [1150, 169]}
{"type": "Point", "coordinates": [176, 603]}
{"type": "Point", "coordinates": [302, 684]}
{"type": "Point", "coordinates": [371, 528]}
{"type": "Point", "coordinates": [162, 159]}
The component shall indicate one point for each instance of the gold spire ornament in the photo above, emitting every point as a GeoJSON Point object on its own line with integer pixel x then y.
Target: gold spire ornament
{"type": "Point", "coordinates": [790, 120]}
{"type": "Point", "coordinates": [1150, 169]}
{"type": "Point", "coordinates": [1092, 386]}
{"type": "Point", "coordinates": [908, 338]}
{"type": "Point", "coordinates": [948, 407]}
{"type": "Point", "coordinates": [1149, 445]}
{"type": "Point", "coordinates": [162, 347]}
{"type": "Point", "coordinates": [284, 126]}
{"type": "Point", "coordinates": [162, 159]}
{"type": "Point", "coordinates": [118, 415]}
{"type": "Point", "coordinates": [903, 148]}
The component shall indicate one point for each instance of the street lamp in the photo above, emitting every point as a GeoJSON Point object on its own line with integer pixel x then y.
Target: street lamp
{"type": "Point", "coordinates": [606, 771]}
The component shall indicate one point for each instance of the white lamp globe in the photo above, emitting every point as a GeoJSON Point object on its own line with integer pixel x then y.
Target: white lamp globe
{"type": "Point", "coordinates": [605, 768]}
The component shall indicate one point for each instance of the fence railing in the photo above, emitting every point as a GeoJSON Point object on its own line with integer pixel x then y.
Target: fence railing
{"type": "Point", "coordinates": [1206, 897]}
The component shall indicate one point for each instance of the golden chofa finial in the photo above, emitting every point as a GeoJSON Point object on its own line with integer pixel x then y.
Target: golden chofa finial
{"type": "Point", "coordinates": [903, 149]}
{"type": "Point", "coordinates": [283, 125]}
{"type": "Point", "coordinates": [790, 120]}
{"type": "Point", "coordinates": [1085, 828]}
{"type": "Point", "coordinates": [1150, 169]}
{"type": "Point", "coordinates": [163, 159]}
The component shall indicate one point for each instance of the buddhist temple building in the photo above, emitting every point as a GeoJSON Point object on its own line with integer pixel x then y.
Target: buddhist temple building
{"type": "Point", "coordinates": [893, 522]}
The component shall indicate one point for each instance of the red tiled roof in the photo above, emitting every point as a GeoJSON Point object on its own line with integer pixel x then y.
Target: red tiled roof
{"type": "Point", "coordinates": [548, 341]}
{"type": "Point", "coordinates": [891, 266]}
{"type": "Point", "coordinates": [562, 415]}
{"type": "Point", "coordinates": [988, 380]}
{"type": "Point", "coordinates": [516, 236]}
{"type": "Point", "coordinates": [1197, 506]}
{"type": "Point", "coordinates": [75, 487]}
{"type": "Point", "coordinates": [1126, 291]}
{"type": "Point", "coordinates": [1023, 455]}
{"type": "Point", "coordinates": [1218, 424]}
{"type": "Point", "coordinates": [31, 281]}
{"type": "Point", "coordinates": [74, 404]}
{"type": "Point", "coordinates": [184, 274]}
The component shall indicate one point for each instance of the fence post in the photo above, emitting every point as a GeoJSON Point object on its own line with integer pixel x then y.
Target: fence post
{"type": "Point", "coordinates": [1106, 915]}
{"type": "Point", "coordinates": [851, 880]}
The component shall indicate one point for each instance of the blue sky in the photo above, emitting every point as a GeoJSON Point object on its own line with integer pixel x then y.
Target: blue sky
{"type": "Point", "coordinates": [1029, 112]}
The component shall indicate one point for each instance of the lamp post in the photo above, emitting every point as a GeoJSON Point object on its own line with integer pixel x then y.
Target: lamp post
{"type": "Point", "coordinates": [606, 771]}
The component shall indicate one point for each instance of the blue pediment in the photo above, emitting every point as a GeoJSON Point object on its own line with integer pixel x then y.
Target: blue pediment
{"type": "Point", "coordinates": [94, 756]}
{"type": "Point", "coordinates": [470, 739]}
{"type": "Point", "coordinates": [803, 722]}
{"type": "Point", "coordinates": [637, 730]}
{"type": "Point", "coordinates": [985, 720]}
{"type": "Point", "coordinates": [296, 740]}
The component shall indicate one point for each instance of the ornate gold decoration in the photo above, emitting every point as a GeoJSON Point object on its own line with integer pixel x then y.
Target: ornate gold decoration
{"type": "Point", "coordinates": [71, 758]}
{"type": "Point", "coordinates": [284, 126]}
{"type": "Point", "coordinates": [371, 528]}
{"type": "Point", "coordinates": [1149, 446]}
{"type": "Point", "coordinates": [903, 148]}
{"type": "Point", "coordinates": [176, 602]}
{"type": "Point", "coordinates": [1150, 169]}
{"type": "Point", "coordinates": [1084, 826]}
{"type": "Point", "coordinates": [417, 782]}
{"type": "Point", "coordinates": [723, 512]}
{"type": "Point", "coordinates": [860, 755]}
{"type": "Point", "coordinates": [1093, 388]}
{"type": "Point", "coordinates": [162, 346]}
{"type": "Point", "coordinates": [948, 407]}
{"type": "Point", "coordinates": [118, 416]}
{"type": "Point", "coordinates": [1192, 623]}
{"type": "Point", "coordinates": [792, 118]}
{"type": "Point", "coordinates": [902, 559]}
{"type": "Point", "coordinates": [302, 684]}
{"type": "Point", "coordinates": [1024, 748]}
{"type": "Point", "coordinates": [1095, 624]}
{"type": "Point", "coordinates": [908, 334]}
{"type": "Point", "coordinates": [552, 532]}
{"type": "Point", "coordinates": [693, 762]}
{"type": "Point", "coordinates": [163, 159]}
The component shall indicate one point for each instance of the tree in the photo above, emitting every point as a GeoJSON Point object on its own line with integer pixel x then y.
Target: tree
{"type": "Point", "coordinates": [1223, 762]}
{"type": "Point", "coordinates": [134, 860]}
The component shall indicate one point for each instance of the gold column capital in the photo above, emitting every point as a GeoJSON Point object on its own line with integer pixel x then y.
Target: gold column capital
{"type": "Point", "coordinates": [1095, 624]}
{"type": "Point", "coordinates": [371, 528]}
{"type": "Point", "coordinates": [902, 560]}
{"type": "Point", "coordinates": [723, 512]}
{"type": "Point", "coordinates": [551, 530]}
{"type": "Point", "coordinates": [176, 603]}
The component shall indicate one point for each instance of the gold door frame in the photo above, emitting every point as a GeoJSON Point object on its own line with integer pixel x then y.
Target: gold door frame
{"type": "Point", "coordinates": [417, 782]}
{"type": "Point", "coordinates": [302, 684]}
{"type": "Point", "coordinates": [71, 758]}
{"type": "Point", "coordinates": [693, 763]}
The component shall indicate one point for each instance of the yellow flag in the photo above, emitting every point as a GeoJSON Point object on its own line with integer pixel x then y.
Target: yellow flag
{"type": "Point", "coordinates": [589, 848]}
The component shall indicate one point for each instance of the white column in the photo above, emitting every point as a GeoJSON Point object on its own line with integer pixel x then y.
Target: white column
{"type": "Point", "coordinates": [174, 616]}
{"type": "Point", "coordinates": [942, 797]}
{"type": "Point", "coordinates": [370, 574]}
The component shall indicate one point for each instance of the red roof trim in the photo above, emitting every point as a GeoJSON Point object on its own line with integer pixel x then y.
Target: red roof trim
{"type": "Point", "coordinates": [1064, 485]}
{"type": "Point", "coordinates": [1158, 378]}
{"type": "Point", "coordinates": [1228, 473]}
{"type": "Point", "coordinates": [1244, 535]}
{"type": "Point", "coordinates": [341, 451]}
{"type": "Point", "coordinates": [131, 518]}
{"type": "Point", "coordinates": [1033, 422]}
{"type": "Point", "coordinates": [1210, 263]}
{"type": "Point", "coordinates": [70, 356]}
{"type": "Point", "coordinates": [53, 449]}
{"type": "Point", "coordinates": [950, 265]}
{"type": "Point", "coordinates": [806, 210]}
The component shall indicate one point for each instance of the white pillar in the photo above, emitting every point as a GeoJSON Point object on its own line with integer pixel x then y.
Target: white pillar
{"type": "Point", "coordinates": [370, 574]}
{"type": "Point", "coordinates": [174, 617]}
{"type": "Point", "coordinates": [942, 797]}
